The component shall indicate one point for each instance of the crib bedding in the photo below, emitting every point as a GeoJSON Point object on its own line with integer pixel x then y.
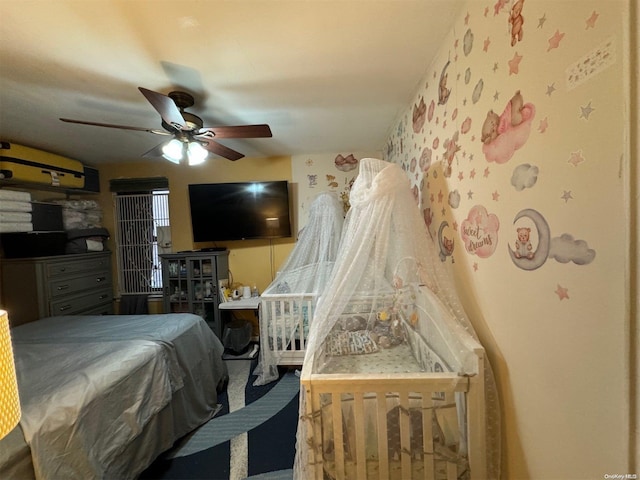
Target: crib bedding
{"type": "Point", "coordinates": [102, 396]}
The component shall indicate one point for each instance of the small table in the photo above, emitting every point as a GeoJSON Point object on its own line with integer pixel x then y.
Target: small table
{"type": "Point", "coordinates": [251, 303]}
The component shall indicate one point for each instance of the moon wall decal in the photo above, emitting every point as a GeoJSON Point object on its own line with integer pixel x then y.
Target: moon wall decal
{"type": "Point", "coordinates": [445, 250]}
{"type": "Point", "coordinates": [544, 241]}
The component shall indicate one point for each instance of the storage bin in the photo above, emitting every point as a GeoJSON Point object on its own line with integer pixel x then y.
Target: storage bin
{"type": "Point", "coordinates": [46, 217]}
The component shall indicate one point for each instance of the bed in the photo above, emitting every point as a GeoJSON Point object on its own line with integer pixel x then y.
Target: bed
{"type": "Point", "coordinates": [102, 396]}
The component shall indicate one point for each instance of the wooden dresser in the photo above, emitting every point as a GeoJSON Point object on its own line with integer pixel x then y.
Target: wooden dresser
{"type": "Point", "coordinates": [39, 287]}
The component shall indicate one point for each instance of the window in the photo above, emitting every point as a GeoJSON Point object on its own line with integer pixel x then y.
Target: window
{"type": "Point", "coordinates": [139, 217]}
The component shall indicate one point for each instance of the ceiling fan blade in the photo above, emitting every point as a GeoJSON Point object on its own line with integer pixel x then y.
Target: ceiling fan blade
{"type": "Point", "coordinates": [219, 149]}
{"type": "Point", "coordinates": [165, 106]}
{"type": "Point", "coordinates": [121, 127]}
{"type": "Point", "coordinates": [155, 151]}
{"type": "Point", "coordinates": [240, 131]}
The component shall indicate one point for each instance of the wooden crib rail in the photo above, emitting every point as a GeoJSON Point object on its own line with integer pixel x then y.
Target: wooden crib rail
{"type": "Point", "coordinates": [326, 395]}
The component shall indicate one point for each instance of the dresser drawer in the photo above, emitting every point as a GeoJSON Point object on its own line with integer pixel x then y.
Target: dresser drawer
{"type": "Point", "coordinates": [72, 267]}
{"type": "Point", "coordinates": [71, 285]}
{"type": "Point", "coordinates": [80, 303]}
{"type": "Point", "coordinates": [39, 287]}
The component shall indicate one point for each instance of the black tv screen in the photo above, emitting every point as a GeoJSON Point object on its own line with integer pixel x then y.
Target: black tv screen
{"type": "Point", "coordinates": [239, 211]}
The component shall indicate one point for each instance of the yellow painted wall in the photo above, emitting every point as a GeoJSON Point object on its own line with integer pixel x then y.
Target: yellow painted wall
{"type": "Point", "coordinates": [250, 261]}
{"type": "Point", "coordinates": [559, 336]}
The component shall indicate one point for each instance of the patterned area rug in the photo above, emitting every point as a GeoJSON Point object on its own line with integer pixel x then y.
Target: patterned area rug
{"type": "Point", "coordinates": [252, 436]}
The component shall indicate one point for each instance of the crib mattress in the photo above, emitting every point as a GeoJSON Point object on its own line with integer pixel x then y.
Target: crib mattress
{"type": "Point", "coordinates": [398, 359]}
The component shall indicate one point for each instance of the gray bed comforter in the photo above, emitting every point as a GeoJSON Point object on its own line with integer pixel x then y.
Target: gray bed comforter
{"type": "Point", "coordinates": [102, 396]}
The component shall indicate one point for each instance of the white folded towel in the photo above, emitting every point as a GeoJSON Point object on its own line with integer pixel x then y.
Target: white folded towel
{"type": "Point", "coordinates": [12, 217]}
{"type": "Point", "coordinates": [14, 195]}
{"type": "Point", "coordinates": [14, 206]}
{"type": "Point", "coordinates": [12, 227]}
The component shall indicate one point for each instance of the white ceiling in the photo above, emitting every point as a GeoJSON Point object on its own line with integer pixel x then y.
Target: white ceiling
{"type": "Point", "coordinates": [327, 76]}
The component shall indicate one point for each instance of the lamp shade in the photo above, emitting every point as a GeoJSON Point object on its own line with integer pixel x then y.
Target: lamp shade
{"type": "Point", "coordinates": [196, 153]}
{"type": "Point", "coordinates": [9, 401]}
{"type": "Point", "coordinates": [173, 151]}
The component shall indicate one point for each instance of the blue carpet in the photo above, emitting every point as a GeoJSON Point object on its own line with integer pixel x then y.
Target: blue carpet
{"type": "Point", "coordinates": [263, 431]}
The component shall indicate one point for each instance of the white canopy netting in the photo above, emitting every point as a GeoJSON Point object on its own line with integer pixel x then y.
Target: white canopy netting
{"type": "Point", "coordinates": [386, 258]}
{"type": "Point", "coordinates": [304, 272]}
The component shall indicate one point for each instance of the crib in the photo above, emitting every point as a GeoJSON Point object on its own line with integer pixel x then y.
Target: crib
{"type": "Point", "coordinates": [284, 325]}
{"type": "Point", "coordinates": [411, 410]}
{"type": "Point", "coordinates": [285, 316]}
{"type": "Point", "coordinates": [287, 304]}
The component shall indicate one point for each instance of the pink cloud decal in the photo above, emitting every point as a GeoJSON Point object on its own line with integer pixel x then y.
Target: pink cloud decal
{"type": "Point", "coordinates": [505, 134]}
{"type": "Point", "coordinates": [479, 232]}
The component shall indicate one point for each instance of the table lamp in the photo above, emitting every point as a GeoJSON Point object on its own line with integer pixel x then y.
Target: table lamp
{"type": "Point", "coordinates": [9, 401]}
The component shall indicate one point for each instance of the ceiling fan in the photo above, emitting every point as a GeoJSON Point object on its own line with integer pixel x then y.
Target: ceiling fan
{"type": "Point", "coordinates": [191, 140]}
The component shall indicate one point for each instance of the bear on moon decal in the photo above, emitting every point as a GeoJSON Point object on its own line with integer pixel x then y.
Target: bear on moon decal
{"type": "Point", "coordinates": [524, 256]}
{"type": "Point", "coordinates": [563, 249]}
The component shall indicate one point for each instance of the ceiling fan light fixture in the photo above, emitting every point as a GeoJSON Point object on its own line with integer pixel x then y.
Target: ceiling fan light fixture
{"type": "Point", "coordinates": [172, 151]}
{"type": "Point", "coordinates": [196, 153]}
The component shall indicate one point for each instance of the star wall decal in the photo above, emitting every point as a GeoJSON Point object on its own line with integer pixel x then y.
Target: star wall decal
{"type": "Point", "coordinates": [487, 42]}
{"type": "Point", "coordinates": [496, 196]}
{"type": "Point", "coordinates": [486, 172]}
{"type": "Point", "coordinates": [591, 21]}
{"type": "Point", "coordinates": [551, 88]}
{"type": "Point", "coordinates": [469, 195]}
{"type": "Point", "coordinates": [576, 158]}
{"type": "Point", "coordinates": [466, 19]}
{"type": "Point", "coordinates": [586, 111]}
{"type": "Point", "coordinates": [544, 123]}
{"type": "Point", "coordinates": [514, 63]}
{"type": "Point", "coordinates": [566, 196]}
{"type": "Point", "coordinates": [495, 67]}
{"type": "Point", "coordinates": [460, 176]}
{"type": "Point", "coordinates": [472, 173]}
{"type": "Point", "coordinates": [496, 96]}
{"type": "Point", "coordinates": [554, 41]}
{"type": "Point", "coordinates": [475, 266]}
{"type": "Point", "coordinates": [562, 292]}
{"type": "Point", "coordinates": [541, 20]}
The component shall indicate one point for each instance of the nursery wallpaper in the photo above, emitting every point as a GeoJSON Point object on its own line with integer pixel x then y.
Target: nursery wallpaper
{"type": "Point", "coordinates": [317, 173]}
{"type": "Point", "coordinates": [515, 147]}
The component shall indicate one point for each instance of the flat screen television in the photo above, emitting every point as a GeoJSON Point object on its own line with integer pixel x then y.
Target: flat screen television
{"type": "Point", "coordinates": [239, 211]}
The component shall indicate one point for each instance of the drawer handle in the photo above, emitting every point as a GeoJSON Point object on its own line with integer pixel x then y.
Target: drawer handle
{"type": "Point", "coordinates": [63, 287]}
{"type": "Point", "coordinates": [102, 297]}
{"type": "Point", "coordinates": [100, 279]}
{"type": "Point", "coordinates": [65, 307]}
